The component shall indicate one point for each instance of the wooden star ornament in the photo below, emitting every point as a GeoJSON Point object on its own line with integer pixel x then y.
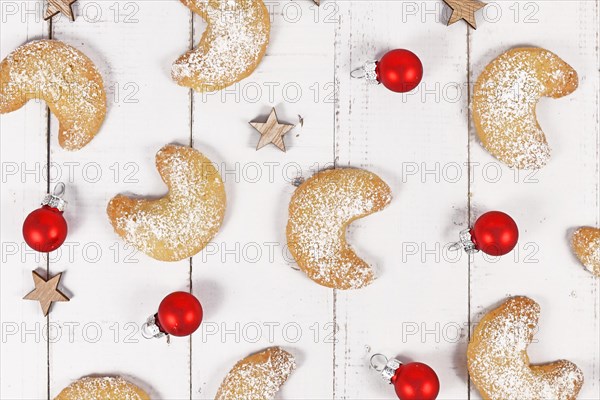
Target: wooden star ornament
{"type": "Point", "coordinates": [46, 291]}
{"type": "Point", "coordinates": [271, 131]}
{"type": "Point", "coordinates": [59, 6]}
{"type": "Point", "coordinates": [464, 9]}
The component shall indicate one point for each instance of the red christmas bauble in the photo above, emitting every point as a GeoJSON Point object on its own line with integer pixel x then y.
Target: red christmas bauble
{"type": "Point", "coordinates": [45, 229]}
{"type": "Point", "coordinates": [399, 70]}
{"type": "Point", "coordinates": [495, 233]}
{"type": "Point", "coordinates": [416, 381]}
{"type": "Point", "coordinates": [179, 314]}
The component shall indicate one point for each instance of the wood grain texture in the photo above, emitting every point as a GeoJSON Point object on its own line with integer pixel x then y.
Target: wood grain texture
{"type": "Point", "coordinates": [23, 144]}
{"type": "Point", "coordinates": [465, 10]}
{"type": "Point", "coordinates": [46, 291]}
{"type": "Point", "coordinates": [55, 7]}
{"type": "Point", "coordinates": [133, 45]}
{"type": "Point", "coordinates": [253, 296]}
{"type": "Point", "coordinates": [546, 205]}
{"type": "Point", "coordinates": [271, 131]}
{"type": "Point", "coordinates": [416, 309]}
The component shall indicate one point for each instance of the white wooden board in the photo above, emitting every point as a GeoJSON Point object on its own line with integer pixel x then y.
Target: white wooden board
{"type": "Point", "coordinates": [23, 153]}
{"type": "Point", "coordinates": [417, 308]}
{"type": "Point", "coordinates": [426, 299]}
{"type": "Point", "coordinates": [114, 288]}
{"type": "Point", "coordinates": [551, 203]}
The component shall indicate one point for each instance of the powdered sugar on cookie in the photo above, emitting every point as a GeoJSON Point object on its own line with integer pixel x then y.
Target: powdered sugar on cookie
{"type": "Point", "coordinates": [504, 104]}
{"type": "Point", "coordinates": [586, 246]}
{"type": "Point", "coordinates": [233, 44]}
{"type": "Point", "coordinates": [258, 376]}
{"type": "Point", "coordinates": [100, 388]}
{"type": "Point", "coordinates": [65, 79]}
{"type": "Point", "coordinates": [319, 213]}
{"type": "Point", "coordinates": [498, 361]}
{"type": "Point", "coordinates": [180, 224]}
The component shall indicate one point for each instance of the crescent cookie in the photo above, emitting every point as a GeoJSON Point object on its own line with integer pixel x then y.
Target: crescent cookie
{"type": "Point", "coordinates": [319, 214]}
{"type": "Point", "coordinates": [504, 102]}
{"type": "Point", "coordinates": [181, 223]}
{"type": "Point", "coordinates": [585, 243]}
{"type": "Point", "coordinates": [231, 47]}
{"type": "Point", "coordinates": [258, 376]}
{"type": "Point", "coordinates": [65, 78]}
{"type": "Point", "coordinates": [498, 362]}
{"type": "Point", "coordinates": [102, 388]}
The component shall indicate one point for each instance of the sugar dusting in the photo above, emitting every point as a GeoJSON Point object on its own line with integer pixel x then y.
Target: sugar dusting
{"type": "Point", "coordinates": [498, 361]}
{"type": "Point", "coordinates": [258, 376]}
{"type": "Point", "coordinates": [586, 245]}
{"type": "Point", "coordinates": [65, 79]}
{"type": "Point", "coordinates": [319, 212]}
{"type": "Point", "coordinates": [231, 47]}
{"type": "Point", "coordinates": [505, 99]}
{"type": "Point", "coordinates": [180, 224]}
{"type": "Point", "coordinates": [102, 388]}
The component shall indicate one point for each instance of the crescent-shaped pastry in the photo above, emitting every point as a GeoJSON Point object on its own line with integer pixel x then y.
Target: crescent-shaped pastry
{"type": "Point", "coordinates": [258, 376]}
{"type": "Point", "coordinates": [585, 243]}
{"type": "Point", "coordinates": [181, 223]}
{"type": "Point", "coordinates": [320, 211]}
{"type": "Point", "coordinates": [106, 388]}
{"type": "Point", "coordinates": [498, 362]}
{"type": "Point", "coordinates": [504, 102]}
{"type": "Point", "coordinates": [231, 47]}
{"type": "Point", "coordinates": [65, 78]}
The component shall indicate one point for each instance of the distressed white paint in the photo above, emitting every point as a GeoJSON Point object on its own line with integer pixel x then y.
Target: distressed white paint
{"type": "Point", "coordinates": [421, 305]}
{"type": "Point", "coordinates": [418, 306]}
{"type": "Point", "coordinates": [254, 296]}
{"type": "Point", "coordinates": [113, 289]}
{"type": "Point", "coordinates": [23, 351]}
{"type": "Point", "coordinates": [550, 204]}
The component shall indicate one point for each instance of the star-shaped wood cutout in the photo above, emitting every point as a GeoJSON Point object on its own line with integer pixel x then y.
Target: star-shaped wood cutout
{"type": "Point", "coordinates": [46, 291]}
{"type": "Point", "coordinates": [271, 131]}
{"type": "Point", "coordinates": [59, 6]}
{"type": "Point", "coordinates": [464, 9]}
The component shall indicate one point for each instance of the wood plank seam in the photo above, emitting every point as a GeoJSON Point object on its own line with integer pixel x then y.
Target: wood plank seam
{"type": "Point", "coordinates": [48, 161]}
{"type": "Point", "coordinates": [597, 283]}
{"type": "Point", "coordinates": [469, 209]}
{"type": "Point", "coordinates": [191, 96]}
{"type": "Point", "coordinates": [336, 108]}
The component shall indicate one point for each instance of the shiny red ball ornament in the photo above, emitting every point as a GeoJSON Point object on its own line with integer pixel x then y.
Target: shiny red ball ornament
{"type": "Point", "coordinates": [45, 229]}
{"type": "Point", "coordinates": [399, 70]}
{"type": "Point", "coordinates": [416, 381]}
{"type": "Point", "coordinates": [412, 381]}
{"type": "Point", "coordinates": [179, 314]}
{"type": "Point", "coordinates": [495, 233]}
